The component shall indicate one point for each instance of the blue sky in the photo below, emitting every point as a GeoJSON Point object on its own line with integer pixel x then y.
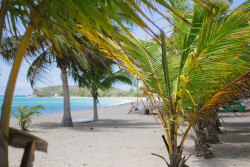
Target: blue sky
{"type": "Point", "coordinates": [23, 87]}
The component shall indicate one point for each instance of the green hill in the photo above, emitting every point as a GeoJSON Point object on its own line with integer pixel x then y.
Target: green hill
{"type": "Point", "coordinates": [75, 91]}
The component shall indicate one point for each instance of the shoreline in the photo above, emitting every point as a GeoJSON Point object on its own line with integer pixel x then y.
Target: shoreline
{"type": "Point", "coordinates": [119, 101]}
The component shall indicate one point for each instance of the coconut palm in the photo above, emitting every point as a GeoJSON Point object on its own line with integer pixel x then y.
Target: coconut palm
{"type": "Point", "coordinates": [189, 68]}
{"type": "Point", "coordinates": [47, 56]}
{"type": "Point", "coordinates": [44, 62]}
{"type": "Point", "coordinates": [99, 75]}
{"type": "Point", "coordinates": [95, 81]}
{"type": "Point", "coordinates": [24, 115]}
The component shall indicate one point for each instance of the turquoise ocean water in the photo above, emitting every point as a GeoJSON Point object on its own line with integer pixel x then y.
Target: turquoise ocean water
{"type": "Point", "coordinates": [55, 105]}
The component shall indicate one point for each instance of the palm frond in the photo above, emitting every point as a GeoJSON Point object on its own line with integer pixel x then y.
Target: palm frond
{"type": "Point", "coordinates": [228, 93]}
{"type": "Point", "coordinates": [40, 69]}
{"type": "Point", "coordinates": [117, 77]}
{"type": "Point", "coordinates": [24, 115]}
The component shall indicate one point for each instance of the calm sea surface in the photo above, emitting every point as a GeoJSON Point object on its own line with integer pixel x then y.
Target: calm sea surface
{"type": "Point", "coordinates": [55, 105]}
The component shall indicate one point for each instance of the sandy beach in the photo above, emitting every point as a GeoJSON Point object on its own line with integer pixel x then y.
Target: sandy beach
{"type": "Point", "coordinates": [122, 140]}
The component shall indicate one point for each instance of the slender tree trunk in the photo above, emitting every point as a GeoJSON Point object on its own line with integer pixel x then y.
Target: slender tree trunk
{"type": "Point", "coordinates": [66, 120]}
{"type": "Point", "coordinates": [8, 96]}
{"type": "Point", "coordinates": [95, 96]}
{"type": "Point", "coordinates": [202, 148]}
{"type": "Point", "coordinates": [173, 157]}
{"type": "Point", "coordinates": [176, 159]}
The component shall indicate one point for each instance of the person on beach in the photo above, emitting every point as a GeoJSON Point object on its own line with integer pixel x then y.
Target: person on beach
{"type": "Point", "coordinates": [134, 107]}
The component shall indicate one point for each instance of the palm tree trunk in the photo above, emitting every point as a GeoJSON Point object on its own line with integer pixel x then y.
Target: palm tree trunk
{"type": "Point", "coordinates": [212, 130]}
{"type": "Point", "coordinates": [95, 96]}
{"type": "Point", "coordinates": [8, 96]}
{"type": "Point", "coordinates": [217, 124]}
{"type": "Point", "coordinates": [174, 155]}
{"type": "Point", "coordinates": [202, 148]}
{"type": "Point", "coordinates": [66, 120]}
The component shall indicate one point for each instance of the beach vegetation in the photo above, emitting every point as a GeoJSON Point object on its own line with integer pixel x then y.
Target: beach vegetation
{"type": "Point", "coordinates": [189, 68]}
{"type": "Point", "coordinates": [24, 115]}
{"type": "Point", "coordinates": [76, 91]}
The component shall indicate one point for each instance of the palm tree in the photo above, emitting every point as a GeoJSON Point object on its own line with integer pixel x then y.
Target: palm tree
{"type": "Point", "coordinates": [63, 63]}
{"type": "Point", "coordinates": [49, 55]}
{"type": "Point", "coordinates": [24, 115]}
{"type": "Point", "coordinates": [189, 68]}
{"type": "Point", "coordinates": [95, 81]}
{"type": "Point", "coordinates": [99, 75]}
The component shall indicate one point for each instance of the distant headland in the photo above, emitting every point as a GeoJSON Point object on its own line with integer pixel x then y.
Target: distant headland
{"type": "Point", "coordinates": [75, 91]}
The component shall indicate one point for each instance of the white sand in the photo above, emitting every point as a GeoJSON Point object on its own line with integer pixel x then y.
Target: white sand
{"type": "Point", "coordinates": [122, 140]}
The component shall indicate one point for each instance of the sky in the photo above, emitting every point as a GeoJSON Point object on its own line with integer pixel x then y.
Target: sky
{"type": "Point", "coordinates": [23, 86]}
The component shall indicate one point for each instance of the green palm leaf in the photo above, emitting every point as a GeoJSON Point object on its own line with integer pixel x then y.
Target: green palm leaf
{"type": "Point", "coordinates": [24, 115]}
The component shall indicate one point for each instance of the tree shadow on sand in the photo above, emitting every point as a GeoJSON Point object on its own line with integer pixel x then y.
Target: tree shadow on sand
{"type": "Point", "coordinates": [235, 144]}
{"type": "Point", "coordinates": [101, 125]}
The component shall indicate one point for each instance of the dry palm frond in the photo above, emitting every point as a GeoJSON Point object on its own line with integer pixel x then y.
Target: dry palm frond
{"type": "Point", "coordinates": [229, 93]}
